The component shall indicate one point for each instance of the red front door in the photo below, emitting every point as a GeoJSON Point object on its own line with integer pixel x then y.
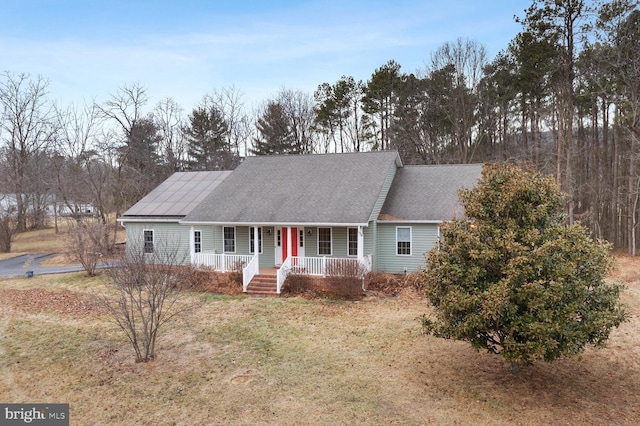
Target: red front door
{"type": "Point", "coordinates": [285, 243]}
{"type": "Point", "coordinates": [294, 241]}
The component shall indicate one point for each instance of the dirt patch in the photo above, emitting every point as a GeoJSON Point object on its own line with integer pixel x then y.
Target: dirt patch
{"type": "Point", "coordinates": [34, 301]}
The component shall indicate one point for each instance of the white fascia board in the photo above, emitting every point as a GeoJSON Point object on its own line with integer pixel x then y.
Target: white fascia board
{"type": "Point", "coordinates": [295, 224]}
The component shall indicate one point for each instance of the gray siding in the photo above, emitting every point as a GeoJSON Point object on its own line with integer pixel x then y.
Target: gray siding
{"type": "Point", "coordinates": [267, 257]}
{"type": "Point", "coordinates": [372, 241]}
{"type": "Point", "coordinates": [423, 238]}
{"type": "Point", "coordinates": [369, 233]}
{"type": "Point", "coordinates": [166, 236]}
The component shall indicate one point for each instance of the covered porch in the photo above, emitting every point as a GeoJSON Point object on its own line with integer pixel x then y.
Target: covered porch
{"type": "Point", "coordinates": [318, 250]}
{"type": "Point", "coordinates": [312, 266]}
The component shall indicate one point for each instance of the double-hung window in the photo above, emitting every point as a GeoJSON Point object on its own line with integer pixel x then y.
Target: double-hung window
{"type": "Point", "coordinates": [148, 240]}
{"type": "Point", "coordinates": [252, 242]}
{"type": "Point", "coordinates": [229, 239]}
{"type": "Point", "coordinates": [403, 241]}
{"type": "Point", "coordinates": [352, 241]}
{"type": "Point", "coordinates": [197, 241]}
{"type": "Point", "coordinates": [324, 241]}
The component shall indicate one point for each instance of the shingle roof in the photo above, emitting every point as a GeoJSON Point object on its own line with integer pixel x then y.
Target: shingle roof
{"type": "Point", "coordinates": [429, 192]}
{"type": "Point", "coordinates": [178, 195]}
{"type": "Point", "coordinates": [327, 188]}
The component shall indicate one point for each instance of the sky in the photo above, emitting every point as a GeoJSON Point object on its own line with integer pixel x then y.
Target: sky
{"type": "Point", "coordinates": [186, 49]}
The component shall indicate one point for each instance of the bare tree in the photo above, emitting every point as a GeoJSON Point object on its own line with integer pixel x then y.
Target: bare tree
{"type": "Point", "coordinates": [88, 243]}
{"type": "Point", "coordinates": [285, 125]}
{"type": "Point", "coordinates": [169, 118]}
{"type": "Point", "coordinates": [147, 290]}
{"type": "Point", "coordinates": [8, 225]}
{"type": "Point", "coordinates": [299, 109]}
{"type": "Point", "coordinates": [133, 146]}
{"type": "Point", "coordinates": [466, 60]}
{"type": "Point", "coordinates": [239, 133]}
{"type": "Point", "coordinates": [26, 127]}
{"type": "Point", "coordinates": [76, 139]}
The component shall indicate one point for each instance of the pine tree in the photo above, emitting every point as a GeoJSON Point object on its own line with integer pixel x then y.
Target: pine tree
{"type": "Point", "coordinates": [207, 137]}
{"type": "Point", "coordinates": [275, 134]}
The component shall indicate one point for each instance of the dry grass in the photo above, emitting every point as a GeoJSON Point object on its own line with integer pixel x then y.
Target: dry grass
{"type": "Point", "coordinates": [241, 360]}
{"type": "Point", "coordinates": [46, 241]}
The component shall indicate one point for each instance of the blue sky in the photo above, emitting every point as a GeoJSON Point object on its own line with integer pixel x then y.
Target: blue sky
{"type": "Point", "coordinates": [186, 49]}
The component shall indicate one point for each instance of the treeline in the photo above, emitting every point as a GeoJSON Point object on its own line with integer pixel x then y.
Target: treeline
{"type": "Point", "coordinates": [564, 95]}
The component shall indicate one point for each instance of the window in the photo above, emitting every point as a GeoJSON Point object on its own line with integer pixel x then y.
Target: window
{"type": "Point", "coordinates": [279, 237]}
{"type": "Point", "coordinates": [324, 241]}
{"type": "Point", "coordinates": [229, 239]}
{"type": "Point", "coordinates": [352, 241]}
{"type": "Point", "coordinates": [301, 238]}
{"type": "Point", "coordinates": [197, 241]}
{"type": "Point", "coordinates": [403, 241]}
{"type": "Point", "coordinates": [251, 240]}
{"type": "Point", "coordinates": [148, 240]}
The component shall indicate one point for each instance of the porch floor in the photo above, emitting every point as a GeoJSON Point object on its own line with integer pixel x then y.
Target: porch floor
{"type": "Point", "coordinates": [269, 271]}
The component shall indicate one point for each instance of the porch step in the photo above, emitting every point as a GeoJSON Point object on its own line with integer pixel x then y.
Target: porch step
{"type": "Point", "coordinates": [263, 285]}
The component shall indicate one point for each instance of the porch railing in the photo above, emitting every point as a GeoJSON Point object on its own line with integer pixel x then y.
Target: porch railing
{"type": "Point", "coordinates": [248, 272]}
{"type": "Point", "coordinates": [282, 273]}
{"type": "Point", "coordinates": [317, 266]}
{"type": "Point", "coordinates": [222, 262]}
{"type": "Point", "coordinates": [323, 267]}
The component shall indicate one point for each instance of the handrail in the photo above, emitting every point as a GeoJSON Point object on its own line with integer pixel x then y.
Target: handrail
{"type": "Point", "coordinates": [282, 273]}
{"type": "Point", "coordinates": [248, 272]}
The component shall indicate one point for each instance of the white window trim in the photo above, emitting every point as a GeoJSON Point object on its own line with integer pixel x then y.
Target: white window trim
{"type": "Point", "coordinates": [260, 239]}
{"type": "Point", "coordinates": [235, 240]}
{"type": "Point", "coordinates": [144, 242]}
{"type": "Point", "coordinates": [410, 240]}
{"type": "Point", "coordinates": [330, 240]}
{"type": "Point", "coordinates": [348, 241]}
{"type": "Point", "coordinates": [197, 231]}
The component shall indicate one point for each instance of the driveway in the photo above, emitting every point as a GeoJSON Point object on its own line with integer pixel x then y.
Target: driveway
{"type": "Point", "coordinates": [15, 266]}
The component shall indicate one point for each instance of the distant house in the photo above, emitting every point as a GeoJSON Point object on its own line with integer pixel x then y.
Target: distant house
{"type": "Point", "coordinates": [306, 212]}
{"type": "Point", "coordinates": [49, 205]}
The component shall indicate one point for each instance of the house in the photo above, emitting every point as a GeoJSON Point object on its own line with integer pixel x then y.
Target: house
{"type": "Point", "coordinates": [309, 213]}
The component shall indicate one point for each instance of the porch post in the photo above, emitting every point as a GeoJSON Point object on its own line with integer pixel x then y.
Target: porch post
{"type": "Point", "coordinates": [360, 244]}
{"type": "Point", "coordinates": [192, 245]}
{"type": "Point", "coordinates": [256, 243]}
{"type": "Point", "coordinates": [289, 248]}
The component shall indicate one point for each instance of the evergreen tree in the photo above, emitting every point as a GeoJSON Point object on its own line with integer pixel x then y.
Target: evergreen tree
{"type": "Point", "coordinates": [275, 133]}
{"type": "Point", "coordinates": [513, 279]}
{"type": "Point", "coordinates": [207, 138]}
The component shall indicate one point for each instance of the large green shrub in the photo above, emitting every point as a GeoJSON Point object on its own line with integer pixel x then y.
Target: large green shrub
{"type": "Point", "coordinates": [513, 279]}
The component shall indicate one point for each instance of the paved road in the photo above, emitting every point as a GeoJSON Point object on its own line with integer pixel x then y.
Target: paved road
{"type": "Point", "coordinates": [15, 266]}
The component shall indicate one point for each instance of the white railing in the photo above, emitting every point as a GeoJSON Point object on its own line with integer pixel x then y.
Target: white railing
{"type": "Point", "coordinates": [323, 266]}
{"type": "Point", "coordinates": [282, 273]}
{"type": "Point", "coordinates": [318, 266]}
{"type": "Point", "coordinates": [248, 272]}
{"type": "Point", "coordinates": [222, 262]}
